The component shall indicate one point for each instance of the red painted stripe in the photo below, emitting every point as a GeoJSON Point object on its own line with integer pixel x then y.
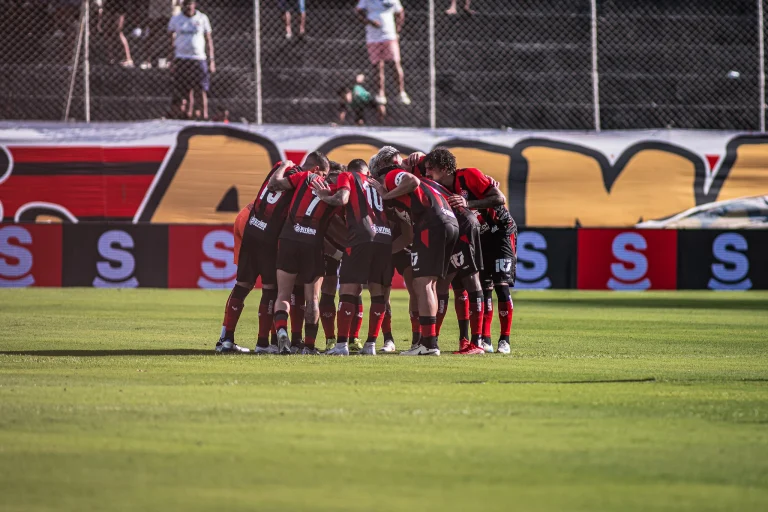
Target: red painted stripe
{"type": "Point", "coordinates": [84, 196]}
{"type": "Point", "coordinates": [56, 154]}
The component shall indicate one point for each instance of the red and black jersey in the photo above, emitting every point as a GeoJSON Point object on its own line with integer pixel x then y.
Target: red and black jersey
{"type": "Point", "coordinates": [460, 210]}
{"type": "Point", "coordinates": [472, 184]}
{"type": "Point", "coordinates": [270, 208]}
{"type": "Point", "coordinates": [425, 204]}
{"type": "Point", "coordinates": [365, 216]}
{"type": "Point", "coordinates": [308, 215]}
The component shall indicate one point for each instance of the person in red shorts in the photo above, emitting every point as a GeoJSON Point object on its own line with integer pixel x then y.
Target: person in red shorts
{"type": "Point", "coordinates": [301, 243]}
{"type": "Point", "coordinates": [257, 228]}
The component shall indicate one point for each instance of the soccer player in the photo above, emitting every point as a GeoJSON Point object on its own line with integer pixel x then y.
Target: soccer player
{"type": "Point", "coordinates": [257, 228]}
{"type": "Point", "coordinates": [366, 259]}
{"type": "Point", "coordinates": [474, 190]}
{"type": "Point", "coordinates": [301, 244]}
{"type": "Point", "coordinates": [435, 233]}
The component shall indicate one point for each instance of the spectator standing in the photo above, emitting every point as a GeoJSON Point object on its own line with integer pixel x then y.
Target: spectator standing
{"type": "Point", "coordinates": [284, 6]}
{"type": "Point", "coordinates": [190, 32]}
{"type": "Point", "coordinates": [383, 20]}
{"type": "Point", "coordinates": [119, 10]}
{"type": "Point", "coordinates": [467, 7]}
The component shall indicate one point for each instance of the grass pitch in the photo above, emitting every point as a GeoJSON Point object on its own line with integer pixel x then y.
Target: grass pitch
{"type": "Point", "coordinates": [113, 400]}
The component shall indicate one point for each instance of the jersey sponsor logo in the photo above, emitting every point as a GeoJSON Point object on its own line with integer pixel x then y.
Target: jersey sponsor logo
{"type": "Point", "coordinates": [399, 178]}
{"type": "Point", "coordinates": [260, 224]}
{"type": "Point", "coordinates": [732, 267]}
{"type": "Point", "coordinates": [381, 230]}
{"type": "Point", "coordinates": [118, 265]}
{"type": "Point", "coordinates": [304, 230]}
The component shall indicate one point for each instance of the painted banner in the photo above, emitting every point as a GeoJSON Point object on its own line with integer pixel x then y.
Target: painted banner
{"type": "Point", "coordinates": [170, 172]}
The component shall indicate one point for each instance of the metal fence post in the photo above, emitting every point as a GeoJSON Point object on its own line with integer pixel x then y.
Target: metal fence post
{"type": "Point", "coordinates": [761, 52]}
{"type": "Point", "coordinates": [257, 58]}
{"type": "Point", "coordinates": [595, 73]}
{"type": "Point", "coordinates": [87, 62]}
{"type": "Point", "coordinates": [432, 70]}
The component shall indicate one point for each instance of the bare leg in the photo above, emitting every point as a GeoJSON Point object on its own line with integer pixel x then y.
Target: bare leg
{"type": "Point", "coordinates": [311, 296]}
{"type": "Point", "coordinates": [287, 18]}
{"type": "Point", "coordinates": [452, 8]}
{"type": "Point", "coordinates": [400, 76]}
{"type": "Point", "coordinates": [426, 295]}
{"type": "Point", "coordinates": [123, 41]}
{"type": "Point", "coordinates": [191, 104]}
{"type": "Point", "coordinates": [382, 88]}
{"type": "Point", "coordinates": [302, 23]}
{"type": "Point", "coordinates": [204, 96]}
{"type": "Point", "coordinates": [467, 6]}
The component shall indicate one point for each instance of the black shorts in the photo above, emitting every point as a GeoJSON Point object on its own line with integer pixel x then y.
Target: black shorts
{"type": "Point", "coordinates": [256, 258]}
{"type": "Point", "coordinates": [433, 247]}
{"type": "Point", "coordinates": [302, 259]}
{"type": "Point", "coordinates": [331, 266]}
{"type": "Point", "coordinates": [367, 263]}
{"type": "Point", "coordinates": [499, 258]}
{"type": "Point", "coordinates": [190, 74]}
{"type": "Point", "coordinates": [467, 255]}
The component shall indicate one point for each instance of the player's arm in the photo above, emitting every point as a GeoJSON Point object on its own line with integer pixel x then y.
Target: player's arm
{"type": "Point", "coordinates": [405, 239]}
{"type": "Point", "coordinates": [398, 183]}
{"type": "Point", "coordinates": [324, 192]}
{"type": "Point", "coordinates": [278, 181]}
{"type": "Point", "coordinates": [493, 197]}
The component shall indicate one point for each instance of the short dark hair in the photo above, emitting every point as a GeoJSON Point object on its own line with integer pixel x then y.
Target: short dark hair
{"type": "Point", "coordinates": [336, 167]}
{"type": "Point", "coordinates": [442, 158]}
{"type": "Point", "coordinates": [357, 165]}
{"type": "Point", "coordinates": [317, 159]}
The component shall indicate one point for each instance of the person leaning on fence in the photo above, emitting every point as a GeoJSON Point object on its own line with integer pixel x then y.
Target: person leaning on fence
{"type": "Point", "coordinates": [285, 7]}
{"type": "Point", "coordinates": [190, 31]}
{"type": "Point", "coordinates": [383, 20]}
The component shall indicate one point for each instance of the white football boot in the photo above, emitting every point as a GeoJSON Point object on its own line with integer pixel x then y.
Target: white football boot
{"type": "Point", "coordinates": [268, 350]}
{"type": "Point", "coordinates": [369, 349]}
{"type": "Point", "coordinates": [310, 351]}
{"type": "Point", "coordinates": [341, 349]}
{"type": "Point", "coordinates": [504, 347]}
{"type": "Point", "coordinates": [230, 347]}
{"type": "Point", "coordinates": [421, 350]}
{"type": "Point", "coordinates": [389, 347]}
{"type": "Point", "coordinates": [487, 346]}
{"type": "Point", "coordinates": [283, 343]}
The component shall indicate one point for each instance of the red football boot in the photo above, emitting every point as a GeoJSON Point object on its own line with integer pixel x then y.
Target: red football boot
{"type": "Point", "coordinates": [469, 349]}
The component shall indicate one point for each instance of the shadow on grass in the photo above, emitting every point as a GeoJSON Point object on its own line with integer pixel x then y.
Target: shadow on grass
{"type": "Point", "coordinates": [650, 302]}
{"type": "Point", "coordinates": [109, 353]}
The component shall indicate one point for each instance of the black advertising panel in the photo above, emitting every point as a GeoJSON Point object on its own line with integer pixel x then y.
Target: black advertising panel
{"type": "Point", "coordinates": [722, 260]}
{"type": "Point", "coordinates": [115, 256]}
{"type": "Point", "coordinates": [546, 258]}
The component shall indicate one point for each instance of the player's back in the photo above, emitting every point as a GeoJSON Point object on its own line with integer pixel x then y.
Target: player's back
{"type": "Point", "coordinates": [308, 215]}
{"type": "Point", "coordinates": [364, 212]}
{"type": "Point", "coordinates": [270, 208]}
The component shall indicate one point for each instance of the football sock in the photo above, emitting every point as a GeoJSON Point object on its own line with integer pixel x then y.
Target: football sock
{"type": "Point", "coordinates": [488, 314]}
{"type": "Point", "coordinates": [461, 303]}
{"type": "Point", "coordinates": [476, 306]}
{"type": "Point", "coordinates": [281, 320]}
{"type": "Point", "coordinates": [273, 337]}
{"type": "Point", "coordinates": [428, 331]}
{"type": "Point", "coordinates": [376, 317]}
{"type": "Point", "coordinates": [310, 334]}
{"type": "Point", "coordinates": [328, 314]}
{"type": "Point", "coordinates": [357, 321]}
{"type": "Point", "coordinates": [506, 309]}
{"type": "Point", "coordinates": [298, 306]}
{"type": "Point", "coordinates": [266, 316]}
{"type": "Point", "coordinates": [415, 328]}
{"type": "Point", "coordinates": [386, 325]}
{"type": "Point", "coordinates": [347, 310]}
{"type": "Point", "coordinates": [233, 309]}
{"type": "Point", "coordinates": [442, 308]}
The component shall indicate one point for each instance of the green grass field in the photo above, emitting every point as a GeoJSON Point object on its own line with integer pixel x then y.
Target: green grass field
{"type": "Point", "coordinates": [114, 400]}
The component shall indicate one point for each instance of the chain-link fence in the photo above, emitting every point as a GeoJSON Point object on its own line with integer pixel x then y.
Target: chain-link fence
{"type": "Point", "coordinates": [528, 64]}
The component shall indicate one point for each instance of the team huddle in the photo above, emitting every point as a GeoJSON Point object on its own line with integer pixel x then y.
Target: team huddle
{"type": "Point", "coordinates": [322, 227]}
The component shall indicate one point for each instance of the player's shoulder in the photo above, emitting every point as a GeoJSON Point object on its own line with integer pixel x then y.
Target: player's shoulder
{"type": "Point", "coordinates": [469, 171]}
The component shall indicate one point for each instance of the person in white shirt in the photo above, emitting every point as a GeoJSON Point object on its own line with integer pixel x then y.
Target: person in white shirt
{"type": "Point", "coordinates": [190, 31]}
{"type": "Point", "coordinates": [383, 20]}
